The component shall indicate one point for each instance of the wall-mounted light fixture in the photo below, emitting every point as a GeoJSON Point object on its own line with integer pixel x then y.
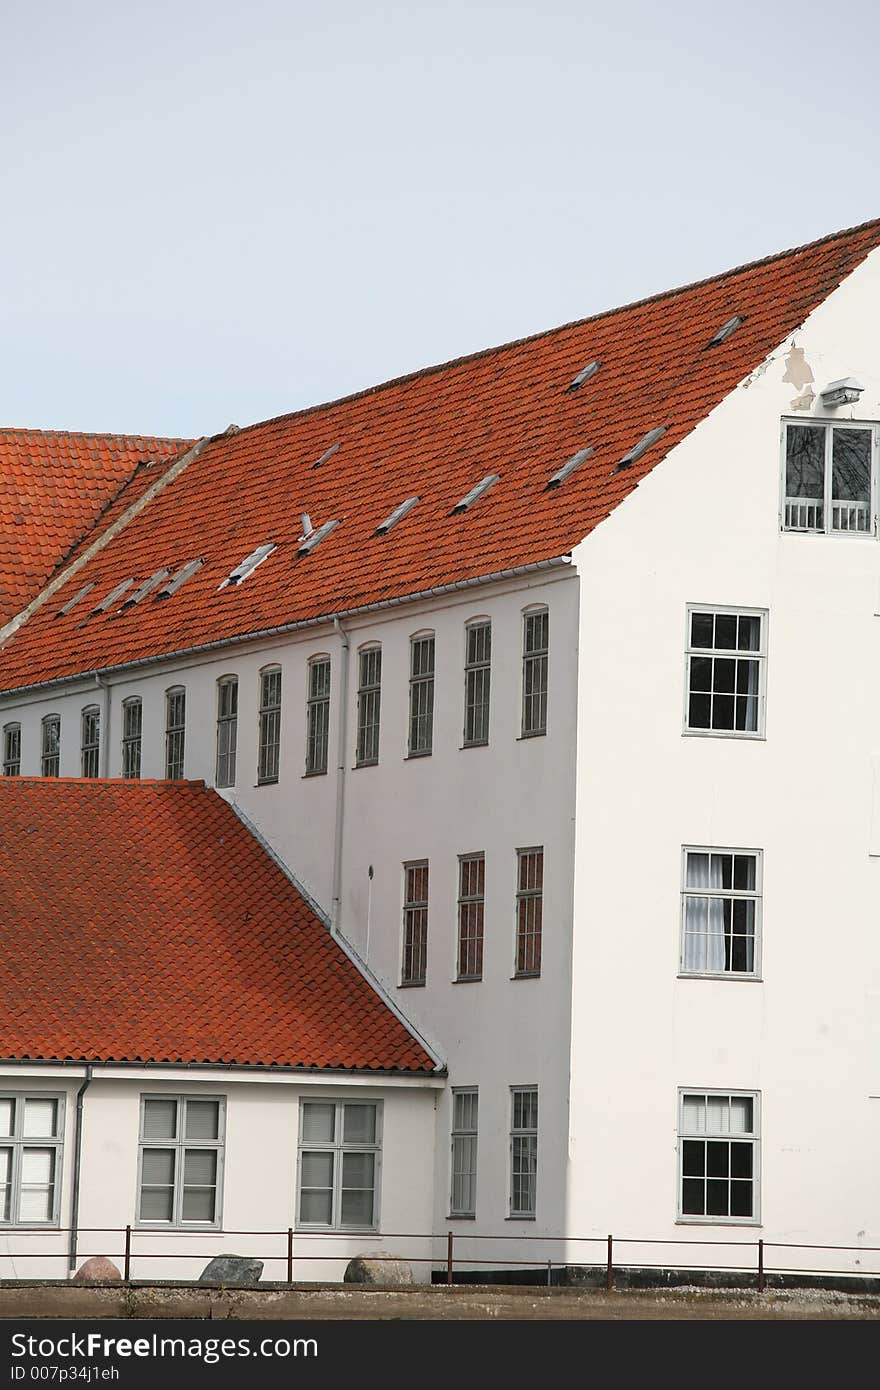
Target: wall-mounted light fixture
{"type": "Point", "coordinates": [843, 392]}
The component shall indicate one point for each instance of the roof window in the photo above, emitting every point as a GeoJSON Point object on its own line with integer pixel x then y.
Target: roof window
{"type": "Point", "coordinates": [325, 457]}
{"type": "Point", "coordinates": [248, 566]}
{"type": "Point", "coordinates": [397, 515]}
{"type": "Point", "coordinates": [183, 574]}
{"type": "Point", "coordinates": [568, 468]}
{"type": "Point", "coordinates": [145, 588]}
{"type": "Point", "coordinates": [726, 330]}
{"type": "Point", "coordinates": [642, 447]}
{"type": "Point", "coordinates": [471, 497]}
{"type": "Point", "coordinates": [308, 542]}
{"type": "Point", "coordinates": [114, 594]}
{"type": "Point", "coordinates": [583, 375]}
{"type": "Point", "coordinates": [72, 602]}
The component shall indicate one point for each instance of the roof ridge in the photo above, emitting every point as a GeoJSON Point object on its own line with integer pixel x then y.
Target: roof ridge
{"type": "Point", "coordinates": [128, 783]}
{"type": "Point", "coordinates": [93, 434]}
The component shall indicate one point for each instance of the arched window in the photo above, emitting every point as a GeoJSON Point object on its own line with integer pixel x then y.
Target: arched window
{"type": "Point", "coordinates": [90, 740]}
{"type": "Point", "coordinates": [50, 745]}
{"type": "Point", "coordinates": [269, 749]}
{"type": "Point", "coordinates": [318, 716]}
{"type": "Point", "coordinates": [536, 639]}
{"type": "Point", "coordinates": [132, 723]}
{"type": "Point", "coordinates": [227, 730]}
{"type": "Point", "coordinates": [175, 731]}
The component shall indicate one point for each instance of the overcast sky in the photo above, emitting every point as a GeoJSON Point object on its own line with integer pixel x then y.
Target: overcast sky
{"type": "Point", "coordinates": [223, 211]}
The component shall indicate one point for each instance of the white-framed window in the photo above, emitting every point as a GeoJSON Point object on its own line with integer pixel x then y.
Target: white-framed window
{"type": "Point", "coordinates": [829, 477]}
{"type": "Point", "coordinates": [415, 923]}
{"type": "Point", "coordinates": [726, 659]}
{"type": "Point", "coordinates": [471, 911]}
{"type": "Point", "coordinates": [536, 646]}
{"type": "Point", "coordinates": [523, 1150]}
{"type": "Point", "coordinates": [90, 741]}
{"type": "Point", "coordinates": [180, 1160]}
{"type": "Point", "coordinates": [269, 736]}
{"type": "Point", "coordinates": [529, 910]}
{"type": "Point", "coordinates": [50, 745]}
{"type": "Point", "coordinates": [340, 1153]}
{"type": "Point", "coordinates": [463, 1184]}
{"type": "Point", "coordinates": [721, 911]}
{"type": "Point", "coordinates": [11, 750]}
{"type": "Point", "coordinates": [31, 1139]}
{"type": "Point", "coordinates": [368, 705]}
{"type": "Point", "coordinates": [318, 717]}
{"type": "Point", "coordinates": [421, 695]}
{"type": "Point", "coordinates": [175, 731]}
{"type": "Point", "coordinates": [477, 681]}
{"type": "Point", "coordinates": [718, 1142]}
{"type": "Point", "coordinates": [132, 730]}
{"type": "Point", "coordinates": [227, 730]}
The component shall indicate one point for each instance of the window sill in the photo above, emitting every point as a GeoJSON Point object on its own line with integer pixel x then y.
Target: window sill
{"type": "Point", "coordinates": [724, 733]}
{"type": "Point", "coordinates": [413, 757]}
{"type": "Point", "coordinates": [9, 1228]}
{"type": "Point", "coordinates": [717, 1221]}
{"type": "Point", "coordinates": [335, 1230]}
{"type": "Point", "coordinates": [466, 747]}
{"type": "Point", "coordinates": [526, 975]}
{"type": "Point", "coordinates": [412, 984]}
{"type": "Point", "coordinates": [166, 1228]}
{"type": "Point", "coordinates": [267, 782]}
{"type": "Point", "coordinates": [462, 1216]}
{"type": "Point", "coordinates": [829, 535]}
{"type": "Point", "coordinates": [468, 980]}
{"type": "Point", "coordinates": [523, 1217]}
{"type": "Point", "coordinates": [316, 773]}
{"type": "Point", "coordinates": [742, 977]}
{"type": "Point", "coordinates": [524, 738]}
{"type": "Point", "coordinates": [373, 762]}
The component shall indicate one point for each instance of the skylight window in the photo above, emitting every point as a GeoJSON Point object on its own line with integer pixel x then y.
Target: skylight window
{"type": "Point", "coordinates": [584, 375]}
{"type": "Point", "coordinates": [568, 468]}
{"type": "Point", "coordinates": [183, 574]}
{"type": "Point", "coordinates": [642, 447]}
{"type": "Point", "coordinates": [248, 566]}
{"type": "Point", "coordinates": [470, 498]}
{"type": "Point", "coordinates": [325, 458]}
{"type": "Point", "coordinates": [71, 602]}
{"type": "Point", "coordinates": [114, 594]}
{"type": "Point", "coordinates": [726, 330]}
{"type": "Point", "coordinates": [308, 543]}
{"type": "Point", "coordinates": [145, 588]}
{"type": "Point", "coordinates": [397, 515]}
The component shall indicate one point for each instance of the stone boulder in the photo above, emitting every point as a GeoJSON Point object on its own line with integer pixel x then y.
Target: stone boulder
{"type": "Point", "coordinates": [231, 1269]}
{"type": "Point", "coordinates": [378, 1268]}
{"type": "Point", "coordinates": [97, 1270]}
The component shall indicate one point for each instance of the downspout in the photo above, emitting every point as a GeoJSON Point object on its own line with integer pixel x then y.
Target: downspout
{"type": "Point", "coordinates": [77, 1153]}
{"type": "Point", "coordinates": [104, 732]}
{"type": "Point", "coordinates": [336, 903]}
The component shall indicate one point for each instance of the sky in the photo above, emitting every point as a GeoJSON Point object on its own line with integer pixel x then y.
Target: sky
{"type": "Point", "coordinates": [221, 212]}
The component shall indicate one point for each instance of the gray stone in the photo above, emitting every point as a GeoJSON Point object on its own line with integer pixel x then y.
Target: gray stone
{"type": "Point", "coordinates": [97, 1270]}
{"type": "Point", "coordinates": [231, 1269]}
{"type": "Point", "coordinates": [378, 1268]}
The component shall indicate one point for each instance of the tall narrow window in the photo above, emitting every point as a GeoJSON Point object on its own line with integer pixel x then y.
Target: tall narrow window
{"type": "Point", "coordinates": [227, 730]}
{"type": "Point", "coordinates": [340, 1148]}
{"type": "Point", "coordinates": [11, 750]}
{"type": "Point", "coordinates": [529, 910]}
{"type": "Point", "coordinates": [463, 1195]}
{"type": "Point", "coordinates": [721, 912]}
{"type": "Point", "coordinates": [31, 1128]}
{"type": "Point", "coordinates": [415, 923]}
{"type": "Point", "coordinates": [269, 755]}
{"type": "Point", "coordinates": [181, 1151]}
{"type": "Point", "coordinates": [421, 696]}
{"type": "Point", "coordinates": [318, 717]}
{"type": "Point", "coordinates": [477, 672]}
{"type": "Point", "coordinates": [471, 894]}
{"type": "Point", "coordinates": [725, 693]}
{"type": "Point", "coordinates": [536, 637]}
{"type": "Point", "coordinates": [718, 1156]}
{"type": "Point", "coordinates": [132, 726]}
{"type": "Point", "coordinates": [90, 741]}
{"type": "Point", "coordinates": [369, 696]}
{"type": "Point", "coordinates": [523, 1150]}
{"type": "Point", "coordinates": [175, 731]}
{"type": "Point", "coordinates": [50, 745]}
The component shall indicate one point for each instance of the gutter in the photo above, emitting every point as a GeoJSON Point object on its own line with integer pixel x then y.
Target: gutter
{"type": "Point", "coordinates": [271, 1068]}
{"type": "Point", "coordinates": [339, 824]}
{"type": "Point", "coordinates": [77, 1159]}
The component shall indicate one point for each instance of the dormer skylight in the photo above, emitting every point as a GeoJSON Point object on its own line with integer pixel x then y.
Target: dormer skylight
{"type": "Point", "coordinates": [726, 330]}
{"type": "Point", "coordinates": [471, 497]}
{"type": "Point", "coordinates": [308, 543]}
{"type": "Point", "coordinates": [568, 468]}
{"type": "Point", "coordinates": [397, 515]}
{"type": "Point", "coordinates": [642, 447]}
{"type": "Point", "coordinates": [325, 457]}
{"type": "Point", "coordinates": [584, 375]}
{"type": "Point", "coordinates": [145, 588]}
{"type": "Point", "coordinates": [72, 602]}
{"type": "Point", "coordinates": [183, 574]}
{"type": "Point", "coordinates": [114, 594]}
{"type": "Point", "coordinates": [248, 566]}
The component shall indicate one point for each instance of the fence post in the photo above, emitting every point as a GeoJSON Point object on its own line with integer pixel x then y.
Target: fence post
{"type": "Point", "coordinates": [127, 1274]}
{"type": "Point", "coordinates": [760, 1266]}
{"type": "Point", "coordinates": [290, 1254]}
{"type": "Point", "coordinates": [609, 1271]}
{"type": "Point", "coordinates": [449, 1257]}
{"type": "Point", "coordinates": [549, 1273]}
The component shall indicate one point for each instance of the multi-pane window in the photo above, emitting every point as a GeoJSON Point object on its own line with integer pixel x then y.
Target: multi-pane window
{"type": "Point", "coordinates": [269, 751]}
{"type": "Point", "coordinates": [90, 740]}
{"type": "Point", "coordinates": [463, 1193]}
{"type": "Point", "coordinates": [718, 1146]}
{"type": "Point", "coordinates": [175, 731]}
{"type": "Point", "coordinates": [829, 472]}
{"type": "Point", "coordinates": [529, 910]}
{"type": "Point", "coordinates": [30, 1158]}
{"type": "Point", "coordinates": [339, 1154]}
{"type": "Point", "coordinates": [369, 695]}
{"type": "Point", "coordinates": [725, 661]}
{"type": "Point", "coordinates": [477, 673]}
{"type": "Point", "coordinates": [536, 637]}
{"type": "Point", "coordinates": [11, 750]}
{"type": "Point", "coordinates": [227, 730]}
{"type": "Point", "coordinates": [415, 923]}
{"type": "Point", "coordinates": [721, 906]}
{"type": "Point", "coordinates": [471, 903]}
{"type": "Point", "coordinates": [318, 716]}
{"type": "Point", "coordinates": [523, 1150]}
{"type": "Point", "coordinates": [181, 1151]}
{"type": "Point", "coordinates": [132, 728]}
{"type": "Point", "coordinates": [421, 696]}
{"type": "Point", "coordinates": [50, 745]}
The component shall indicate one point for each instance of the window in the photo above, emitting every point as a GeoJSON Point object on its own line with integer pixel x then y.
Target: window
{"type": "Point", "coordinates": [318, 716]}
{"type": "Point", "coordinates": [421, 696]}
{"type": "Point", "coordinates": [50, 745]}
{"type": "Point", "coordinates": [718, 1146]}
{"type": "Point", "coordinates": [529, 910]}
{"type": "Point", "coordinates": [227, 730]}
{"type": "Point", "coordinates": [339, 1155]}
{"type": "Point", "coordinates": [11, 750]}
{"type": "Point", "coordinates": [270, 725]}
{"type": "Point", "coordinates": [829, 473]}
{"type": "Point", "coordinates": [90, 740]}
{"type": "Point", "coordinates": [415, 923]}
{"type": "Point", "coordinates": [175, 731]}
{"type": "Point", "coordinates": [725, 672]}
{"type": "Point", "coordinates": [477, 670]}
{"type": "Point", "coordinates": [536, 636]}
{"type": "Point", "coordinates": [523, 1150]}
{"type": "Point", "coordinates": [471, 895]}
{"type": "Point", "coordinates": [132, 725]}
{"type": "Point", "coordinates": [720, 912]}
{"type": "Point", "coordinates": [369, 693]}
{"type": "Point", "coordinates": [30, 1158]}
{"type": "Point", "coordinates": [181, 1151]}
{"type": "Point", "coordinates": [463, 1196]}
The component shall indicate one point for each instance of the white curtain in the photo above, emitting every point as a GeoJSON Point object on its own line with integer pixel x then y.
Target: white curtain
{"type": "Point", "coordinates": [703, 916]}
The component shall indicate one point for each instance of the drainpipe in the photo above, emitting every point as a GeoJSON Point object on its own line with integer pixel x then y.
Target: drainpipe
{"type": "Point", "coordinates": [77, 1153]}
{"type": "Point", "coordinates": [104, 754]}
{"type": "Point", "coordinates": [336, 903]}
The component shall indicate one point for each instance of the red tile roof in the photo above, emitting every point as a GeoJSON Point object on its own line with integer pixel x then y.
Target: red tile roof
{"type": "Point", "coordinates": [54, 487]}
{"type": "Point", "coordinates": [200, 951]}
{"type": "Point", "coordinates": [432, 435]}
